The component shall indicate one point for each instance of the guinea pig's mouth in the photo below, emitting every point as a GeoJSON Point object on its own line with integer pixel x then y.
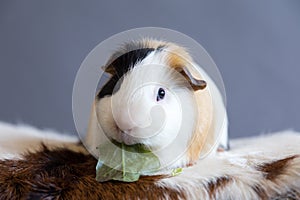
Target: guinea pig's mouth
{"type": "Point", "coordinates": [125, 137]}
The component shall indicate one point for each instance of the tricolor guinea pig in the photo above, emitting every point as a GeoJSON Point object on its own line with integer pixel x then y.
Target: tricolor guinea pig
{"type": "Point", "coordinates": [157, 96]}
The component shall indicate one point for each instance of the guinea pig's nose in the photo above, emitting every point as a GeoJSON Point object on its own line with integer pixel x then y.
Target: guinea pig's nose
{"type": "Point", "coordinates": [124, 122]}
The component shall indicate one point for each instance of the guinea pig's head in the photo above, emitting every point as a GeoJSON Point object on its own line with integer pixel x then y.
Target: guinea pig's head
{"type": "Point", "coordinates": [149, 98]}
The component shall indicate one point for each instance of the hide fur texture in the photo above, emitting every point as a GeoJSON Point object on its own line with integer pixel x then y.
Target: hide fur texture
{"type": "Point", "coordinates": [40, 164]}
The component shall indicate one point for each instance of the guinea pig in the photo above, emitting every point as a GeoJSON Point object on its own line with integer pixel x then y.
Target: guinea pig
{"type": "Point", "coordinates": [159, 97]}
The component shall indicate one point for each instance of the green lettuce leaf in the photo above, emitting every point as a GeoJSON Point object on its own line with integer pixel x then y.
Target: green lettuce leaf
{"type": "Point", "coordinates": [177, 171]}
{"type": "Point", "coordinates": [127, 163]}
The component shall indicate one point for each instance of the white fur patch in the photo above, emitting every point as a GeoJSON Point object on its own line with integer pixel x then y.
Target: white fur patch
{"type": "Point", "coordinates": [18, 139]}
{"type": "Point", "coordinates": [240, 165]}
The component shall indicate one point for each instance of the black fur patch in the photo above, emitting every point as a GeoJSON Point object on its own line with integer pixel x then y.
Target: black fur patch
{"type": "Point", "coordinates": [121, 66]}
{"type": "Point", "coordinates": [160, 47]}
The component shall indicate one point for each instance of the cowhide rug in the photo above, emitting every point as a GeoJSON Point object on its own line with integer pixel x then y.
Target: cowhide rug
{"type": "Point", "coordinates": [38, 164]}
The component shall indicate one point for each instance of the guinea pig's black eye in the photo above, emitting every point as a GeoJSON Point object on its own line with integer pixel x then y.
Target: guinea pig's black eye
{"type": "Point", "coordinates": [160, 94]}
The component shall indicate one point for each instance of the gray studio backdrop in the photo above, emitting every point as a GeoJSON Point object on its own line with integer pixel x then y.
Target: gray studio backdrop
{"type": "Point", "coordinates": [256, 45]}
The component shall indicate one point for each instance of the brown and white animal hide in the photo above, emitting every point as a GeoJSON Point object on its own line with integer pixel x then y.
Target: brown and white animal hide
{"type": "Point", "coordinates": [38, 164]}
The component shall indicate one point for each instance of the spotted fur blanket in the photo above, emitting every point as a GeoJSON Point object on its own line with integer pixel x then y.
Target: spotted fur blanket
{"type": "Point", "coordinates": [36, 164]}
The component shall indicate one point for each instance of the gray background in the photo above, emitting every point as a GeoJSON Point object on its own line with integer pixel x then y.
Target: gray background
{"type": "Point", "coordinates": [256, 45]}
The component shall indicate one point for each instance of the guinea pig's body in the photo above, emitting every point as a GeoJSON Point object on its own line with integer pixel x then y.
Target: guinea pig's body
{"type": "Point", "coordinates": [156, 96]}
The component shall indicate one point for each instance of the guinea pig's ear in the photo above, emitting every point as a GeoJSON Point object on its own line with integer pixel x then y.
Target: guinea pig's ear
{"type": "Point", "coordinates": [195, 82]}
{"type": "Point", "coordinates": [109, 69]}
